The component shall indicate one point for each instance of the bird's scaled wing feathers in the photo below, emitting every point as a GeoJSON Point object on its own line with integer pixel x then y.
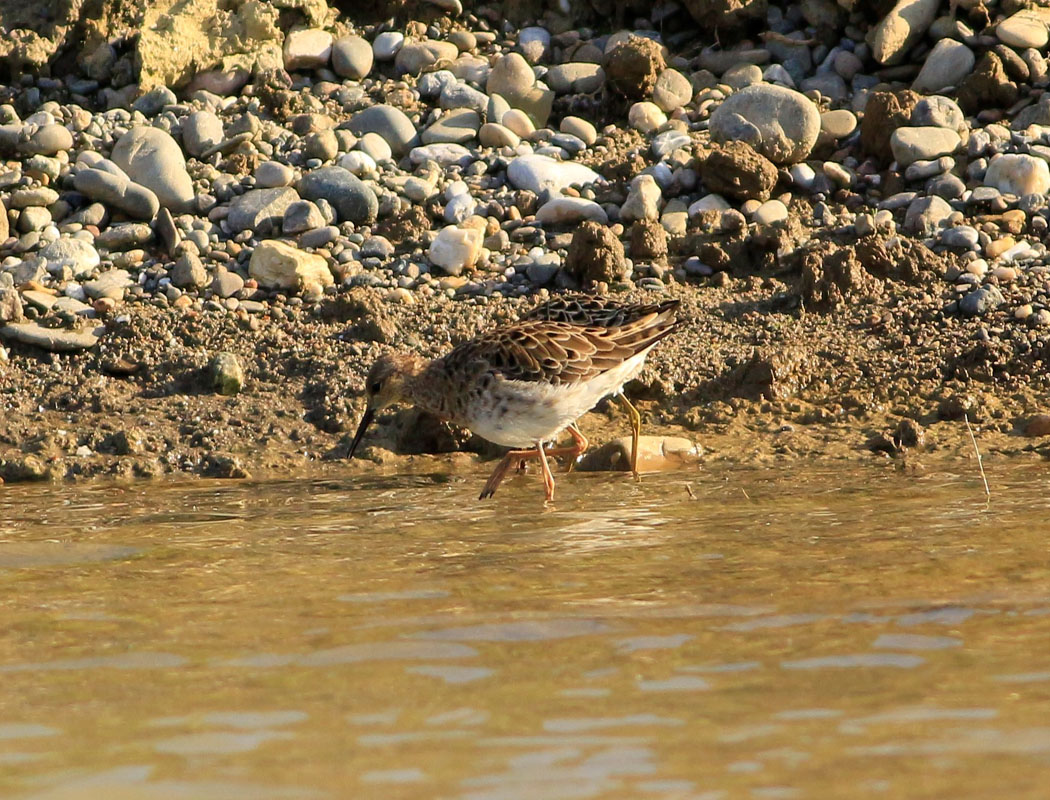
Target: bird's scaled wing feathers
{"type": "Point", "coordinates": [561, 352]}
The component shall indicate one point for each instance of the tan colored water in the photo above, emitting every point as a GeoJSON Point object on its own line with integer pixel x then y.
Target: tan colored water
{"type": "Point", "coordinates": [785, 634]}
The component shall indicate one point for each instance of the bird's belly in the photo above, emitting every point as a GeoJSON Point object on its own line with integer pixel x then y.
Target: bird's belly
{"type": "Point", "coordinates": [521, 413]}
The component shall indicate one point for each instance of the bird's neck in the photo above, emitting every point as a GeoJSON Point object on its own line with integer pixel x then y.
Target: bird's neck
{"type": "Point", "coordinates": [425, 388]}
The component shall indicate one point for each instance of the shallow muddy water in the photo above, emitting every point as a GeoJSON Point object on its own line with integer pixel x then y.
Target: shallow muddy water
{"type": "Point", "coordinates": [705, 634]}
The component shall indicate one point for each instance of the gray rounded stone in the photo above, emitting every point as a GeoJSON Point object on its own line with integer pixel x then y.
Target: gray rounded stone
{"type": "Point", "coordinates": [260, 210]}
{"type": "Point", "coordinates": [353, 200]}
{"type": "Point", "coordinates": [271, 174]}
{"type": "Point", "coordinates": [302, 215]}
{"type": "Point", "coordinates": [201, 131]}
{"type": "Point", "coordinates": [152, 158]}
{"type": "Point", "coordinates": [117, 192]}
{"type": "Point", "coordinates": [386, 121]}
{"type": "Point", "coordinates": [780, 123]}
{"type": "Point", "coordinates": [352, 57]}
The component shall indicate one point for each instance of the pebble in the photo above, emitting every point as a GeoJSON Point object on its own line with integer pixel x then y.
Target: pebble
{"type": "Point", "coordinates": [580, 128]}
{"type": "Point", "coordinates": [779, 123]}
{"type": "Point", "coordinates": [570, 210]}
{"type": "Point", "coordinates": [839, 123]}
{"type": "Point", "coordinates": [901, 28]}
{"type": "Point", "coordinates": [643, 200]}
{"type": "Point", "coordinates": [227, 374]}
{"type": "Point", "coordinates": [672, 91]}
{"type": "Point", "coordinates": [353, 200]}
{"type": "Point", "coordinates": [645, 117]}
{"type": "Point", "coordinates": [922, 144]}
{"type": "Point", "coordinates": [771, 212]}
{"type": "Point", "coordinates": [519, 123]}
{"type": "Point", "coordinates": [201, 131]}
{"type": "Point", "coordinates": [352, 57]}
{"type": "Point", "coordinates": [273, 174]}
{"type": "Point", "coordinates": [58, 340]}
{"type": "Point", "coordinates": [387, 44]}
{"type": "Point", "coordinates": [260, 210]}
{"type": "Point", "coordinates": [534, 43]}
{"type": "Point", "coordinates": [455, 248]}
{"type": "Point", "coordinates": [279, 265]}
{"type": "Point", "coordinates": [1018, 174]}
{"type": "Point", "coordinates": [150, 157]}
{"type": "Point", "coordinates": [388, 122]}
{"type": "Point", "coordinates": [946, 66]}
{"type": "Point", "coordinates": [301, 216]}
{"type": "Point", "coordinates": [110, 284]}
{"type": "Point", "coordinates": [459, 126]}
{"type": "Point", "coordinates": [79, 256]}
{"type": "Point", "coordinates": [576, 78]}
{"type": "Point", "coordinates": [309, 48]}
{"type": "Point", "coordinates": [1026, 28]}
{"type": "Point", "coordinates": [981, 300]}
{"type": "Point", "coordinates": [925, 215]}
{"type": "Point", "coordinates": [492, 134]}
{"type": "Point", "coordinates": [226, 283]}
{"type": "Point", "coordinates": [48, 140]}
{"type": "Point", "coordinates": [539, 173]}
{"type": "Point", "coordinates": [188, 271]}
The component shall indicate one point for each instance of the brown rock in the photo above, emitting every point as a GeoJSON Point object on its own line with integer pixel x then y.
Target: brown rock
{"type": "Point", "coordinates": [10, 306]}
{"type": "Point", "coordinates": [1039, 425]}
{"type": "Point", "coordinates": [885, 112]}
{"type": "Point", "coordinates": [648, 240]}
{"type": "Point", "coordinates": [595, 254]}
{"type": "Point", "coordinates": [772, 373]}
{"type": "Point", "coordinates": [736, 170]}
{"type": "Point", "coordinates": [987, 86]}
{"type": "Point", "coordinates": [831, 274]}
{"type": "Point", "coordinates": [726, 14]}
{"type": "Point", "coordinates": [633, 66]}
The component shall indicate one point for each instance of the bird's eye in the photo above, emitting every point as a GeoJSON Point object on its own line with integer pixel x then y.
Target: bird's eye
{"type": "Point", "coordinates": [375, 387]}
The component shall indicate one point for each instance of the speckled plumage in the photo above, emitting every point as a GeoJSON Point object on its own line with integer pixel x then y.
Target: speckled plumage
{"type": "Point", "coordinates": [523, 384]}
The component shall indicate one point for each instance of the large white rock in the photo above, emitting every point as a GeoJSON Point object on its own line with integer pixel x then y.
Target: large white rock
{"type": "Point", "coordinates": [279, 265]}
{"type": "Point", "coordinates": [1019, 174]}
{"type": "Point", "coordinates": [537, 173]}
{"type": "Point", "coordinates": [454, 249]}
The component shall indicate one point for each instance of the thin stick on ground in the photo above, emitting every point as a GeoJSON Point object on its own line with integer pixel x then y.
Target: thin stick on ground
{"type": "Point", "coordinates": [980, 463]}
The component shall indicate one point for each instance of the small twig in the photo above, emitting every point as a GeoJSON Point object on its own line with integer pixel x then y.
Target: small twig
{"type": "Point", "coordinates": [744, 492]}
{"type": "Point", "coordinates": [689, 488]}
{"type": "Point", "coordinates": [980, 463]}
{"type": "Point", "coordinates": [773, 36]}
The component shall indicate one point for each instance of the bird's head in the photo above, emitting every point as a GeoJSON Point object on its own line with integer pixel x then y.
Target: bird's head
{"type": "Point", "coordinates": [386, 384]}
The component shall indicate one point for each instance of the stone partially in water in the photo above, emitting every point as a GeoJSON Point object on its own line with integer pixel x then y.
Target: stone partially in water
{"type": "Point", "coordinates": [655, 454]}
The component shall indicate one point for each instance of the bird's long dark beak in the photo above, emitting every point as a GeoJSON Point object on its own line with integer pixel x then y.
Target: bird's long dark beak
{"type": "Point", "coordinates": [366, 420]}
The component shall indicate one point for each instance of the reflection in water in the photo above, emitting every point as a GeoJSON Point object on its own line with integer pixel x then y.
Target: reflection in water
{"type": "Point", "coordinates": [820, 634]}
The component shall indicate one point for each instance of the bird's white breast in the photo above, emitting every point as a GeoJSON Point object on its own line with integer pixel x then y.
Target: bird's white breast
{"type": "Point", "coordinates": [522, 413]}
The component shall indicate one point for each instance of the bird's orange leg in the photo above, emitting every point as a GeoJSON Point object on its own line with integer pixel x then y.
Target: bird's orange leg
{"type": "Point", "coordinates": [578, 446]}
{"type": "Point", "coordinates": [496, 478]}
